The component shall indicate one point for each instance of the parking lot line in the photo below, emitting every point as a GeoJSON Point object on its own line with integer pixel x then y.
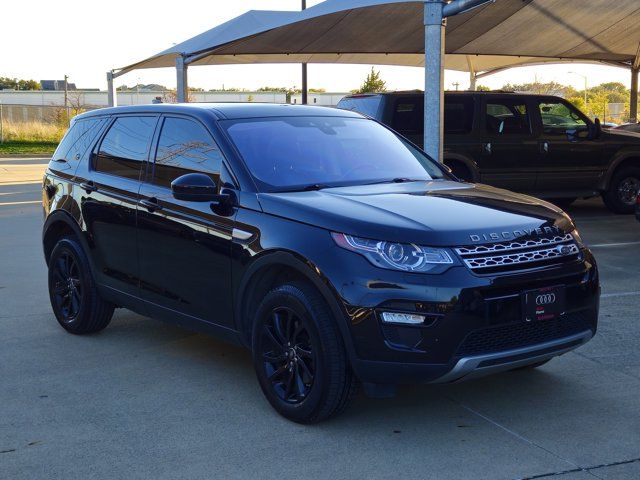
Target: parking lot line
{"type": "Point", "coordinates": [607, 245]}
{"type": "Point", "coordinates": [619, 294]}
{"type": "Point", "coordinates": [7, 204]}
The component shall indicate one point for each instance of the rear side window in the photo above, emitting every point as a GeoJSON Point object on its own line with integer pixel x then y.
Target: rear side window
{"type": "Point", "coordinates": [508, 118]}
{"type": "Point", "coordinates": [78, 139]}
{"type": "Point", "coordinates": [408, 116]}
{"type": "Point", "coordinates": [458, 116]}
{"type": "Point", "coordinates": [125, 147]}
{"type": "Point", "coordinates": [368, 105]}
{"type": "Point", "coordinates": [185, 146]}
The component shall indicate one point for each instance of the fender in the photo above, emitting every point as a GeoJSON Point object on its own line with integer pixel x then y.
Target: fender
{"type": "Point", "coordinates": [310, 272]}
{"type": "Point", "coordinates": [63, 216]}
{"type": "Point", "coordinates": [620, 157]}
{"type": "Point", "coordinates": [467, 161]}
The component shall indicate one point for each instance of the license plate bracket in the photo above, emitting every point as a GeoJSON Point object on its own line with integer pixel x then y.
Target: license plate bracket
{"type": "Point", "coordinates": [543, 303]}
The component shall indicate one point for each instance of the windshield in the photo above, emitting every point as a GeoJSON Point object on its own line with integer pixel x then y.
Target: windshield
{"type": "Point", "coordinates": [294, 153]}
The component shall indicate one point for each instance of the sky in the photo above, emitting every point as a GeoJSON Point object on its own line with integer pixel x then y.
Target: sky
{"type": "Point", "coordinates": [82, 40]}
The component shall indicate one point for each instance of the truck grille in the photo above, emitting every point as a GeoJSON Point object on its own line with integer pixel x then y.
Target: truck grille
{"type": "Point", "coordinates": [517, 255]}
{"type": "Point", "coordinates": [518, 335]}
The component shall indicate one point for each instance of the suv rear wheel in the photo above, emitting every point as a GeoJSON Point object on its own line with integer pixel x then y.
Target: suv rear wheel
{"type": "Point", "coordinates": [299, 356]}
{"type": "Point", "coordinates": [623, 190]}
{"type": "Point", "coordinates": [72, 291]}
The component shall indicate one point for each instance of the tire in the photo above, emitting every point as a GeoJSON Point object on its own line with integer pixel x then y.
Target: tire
{"type": "Point", "coordinates": [460, 171]}
{"type": "Point", "coordinates": [532, 366]}
{"type": "Point", "coordinates": [72, 290]}
{"type": "Point", "coordinates": [299, 356]}
{"type": "Point", "coordinates": [620, 197]}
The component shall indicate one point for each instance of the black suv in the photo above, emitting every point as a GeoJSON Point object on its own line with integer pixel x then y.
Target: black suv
{"type": "Point", "coordinates": [323, 241]}
{"type": "Point", "coordinates": [537, 144]}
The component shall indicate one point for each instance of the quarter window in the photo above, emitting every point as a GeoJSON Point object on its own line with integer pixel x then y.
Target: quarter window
{"type": "Point", "coordinates": [558, 118]}
{"type": "Point", "coordinates": [185, 147]}
{"type": "Point", "coordinates": [78, 139]}
{"type": "Point", "coordinates": [126, 146]}
{"type": "Point", "coordinates": [507, 118]}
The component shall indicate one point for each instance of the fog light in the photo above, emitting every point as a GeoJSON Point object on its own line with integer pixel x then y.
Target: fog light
{"type": "Point", "coordinates": [403, 318]}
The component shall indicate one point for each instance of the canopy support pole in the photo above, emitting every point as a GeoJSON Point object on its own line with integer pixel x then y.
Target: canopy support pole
{"type": "Point", "coordinates": [112, 95]}
{"type": "Point", "coordinates": [473, 79]}
{"type": "Point", "coordinates": [182, 86]}
{"type": "Point", "coordinates": [305, 84]}
{"type": "Point", "coordinates": [434, 29]}
{"type": "Point", "coordinates": [633, 104]}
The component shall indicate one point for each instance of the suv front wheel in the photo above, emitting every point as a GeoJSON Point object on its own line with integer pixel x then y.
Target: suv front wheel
{"type": "Point", "coordinates": [623, 190]}
{"type": "Point", "coordinates": [299, 356]}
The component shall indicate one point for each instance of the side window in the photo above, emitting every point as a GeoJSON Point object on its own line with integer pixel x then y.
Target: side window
{"type": "Point", "coordinates": [125, 147]}
{"type": "Point", "coordinates": [78, 139]}
{"type": "Point", "coordinates": [184, 147]}
{"type": "Point", "coordinates": [367, 105]}
{"type": "Point", "coordinates": [507, 118]}
{"type": "Point", "coordinates": [458, 116]}
{"type": "Point", "coordinates": [408, 116]}
{"type": "Point", "coordinates": [558, 118]}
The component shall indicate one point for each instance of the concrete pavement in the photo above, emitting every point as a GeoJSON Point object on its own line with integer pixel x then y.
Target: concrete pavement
{"type": "Point", "coordinates": [147, 400]}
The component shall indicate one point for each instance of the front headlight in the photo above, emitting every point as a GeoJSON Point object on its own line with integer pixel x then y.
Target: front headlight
{"type": "Point", "coordinates": [405, 257]}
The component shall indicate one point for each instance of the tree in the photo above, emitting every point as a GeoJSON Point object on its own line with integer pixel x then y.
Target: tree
{"type": "Point", "coordinates": [483, 88]}
{"type": "Point", "coordinates": [15, 84]}
{"type": "Point", "coordinates": [373, 83]}
{"type": "Point", "coordinates": [542, 88]}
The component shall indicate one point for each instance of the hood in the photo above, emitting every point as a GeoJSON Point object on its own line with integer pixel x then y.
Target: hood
{"type": "Point", "coordinates": [621, 136]}
{"type": "Point", "coordinates": [434, 213]}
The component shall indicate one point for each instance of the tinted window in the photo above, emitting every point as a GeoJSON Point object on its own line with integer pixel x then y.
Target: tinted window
{"type": "Point", "coordinates": [508, 118]}
{"type": "Point", "coordinates": [368, 105]}
{"type": "Point", "coordinates": [408, 116]}
{"type": "Point", "coordinates": [78, 139]}
{"type": "Point", "coordinates": [126, 146]}
{"type": "Point", "coordinates": [184, 147]}
{"type": "Point", "coordinates": [289, 152]}
{"type": "Point", "coordinates": [458, 115]}
{"type": "Point", "coordinates": [558, 118]}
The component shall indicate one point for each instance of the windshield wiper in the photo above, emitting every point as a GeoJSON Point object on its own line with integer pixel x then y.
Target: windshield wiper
{"type": "Point", "coordinates": [306, 188]}
{"type": "Point", "coordinates": [398, 180]}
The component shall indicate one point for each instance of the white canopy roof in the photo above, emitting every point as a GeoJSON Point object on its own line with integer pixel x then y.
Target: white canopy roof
{"type": "Point", "coordinates": [391, 32]}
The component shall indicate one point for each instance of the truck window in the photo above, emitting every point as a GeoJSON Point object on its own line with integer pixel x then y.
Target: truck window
{"type": "Point", "coordinates": [507, 118]}
{"type": "Point", "coordinates": [458, 116]}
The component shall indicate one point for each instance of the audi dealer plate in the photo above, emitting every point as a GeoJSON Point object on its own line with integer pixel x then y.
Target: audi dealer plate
{"type": "Point", "coordinates": [543, 304]}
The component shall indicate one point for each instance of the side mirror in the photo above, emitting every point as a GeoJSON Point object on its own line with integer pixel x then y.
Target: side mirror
{"type": "Point", "coordinates": [595, 130]}
{"type": "Point", "coordinates": [195, 187]}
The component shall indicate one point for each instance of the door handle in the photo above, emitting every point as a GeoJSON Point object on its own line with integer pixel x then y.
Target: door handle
{"type": "Point", "coordinates": [544, 147]}
{"type": "Point", "coordinates": [88, 187]}
{"type": "Point", "coordinates": [151, 205]}
{"type": "Point", "coordinates": [487, 148]}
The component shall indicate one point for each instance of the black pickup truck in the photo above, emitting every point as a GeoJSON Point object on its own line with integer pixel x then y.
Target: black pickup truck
{"type": "Point", "coordinates": [537, 144]}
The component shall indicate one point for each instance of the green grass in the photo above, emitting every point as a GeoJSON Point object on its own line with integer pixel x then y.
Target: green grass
{"type": "Point", "coordinates": [16, 147]}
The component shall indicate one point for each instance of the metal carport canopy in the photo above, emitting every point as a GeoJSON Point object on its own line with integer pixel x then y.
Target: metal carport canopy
{"type": "Point", "coordinates": [394, 32]}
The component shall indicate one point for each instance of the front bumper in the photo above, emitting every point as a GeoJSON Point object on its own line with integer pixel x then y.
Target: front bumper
{"type": "Point", "coordinates": [476, 325]}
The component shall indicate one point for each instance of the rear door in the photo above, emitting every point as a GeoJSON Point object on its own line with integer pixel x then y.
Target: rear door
{"type": "Point", "coordinates": [509, 149]}
{"type": "Point", "coordinates": [110, 199]}
{"type": "Point", "coordinates": [185, 247]}
{"type": "Point", "coordinates": [568, 159]}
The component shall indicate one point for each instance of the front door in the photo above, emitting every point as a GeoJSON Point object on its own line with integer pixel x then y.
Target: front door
{"type": "Point", "coordinates": [184, 246]}
{"type": "Point", "coordinates": [570, 160]}
{"type": "Point", "coordinates": [509, 150]}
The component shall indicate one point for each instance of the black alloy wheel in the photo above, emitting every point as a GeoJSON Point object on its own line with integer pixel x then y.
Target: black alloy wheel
{"type": "Point", "coordinates": [67, 287]}
{"type": "Point", "coordinates": [288, 356]}
{"type": "Point", "coordinates": [299, 355]}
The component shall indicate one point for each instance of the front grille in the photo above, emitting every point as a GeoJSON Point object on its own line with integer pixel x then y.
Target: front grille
{"type": "Point", "coordinates": [518, 335]}
{"type": "Point", "coordinates": [516, 255]}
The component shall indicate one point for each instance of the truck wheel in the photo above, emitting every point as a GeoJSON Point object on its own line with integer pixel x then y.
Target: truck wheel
{"type": "Point", "coordinates": [623, 190]}
{"type": "Point", "coordinates": [72, 291]}
{"type": "Point", "coordinates": [461, 171]}
{"type": "Point", "coordinates": [299, 356]}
